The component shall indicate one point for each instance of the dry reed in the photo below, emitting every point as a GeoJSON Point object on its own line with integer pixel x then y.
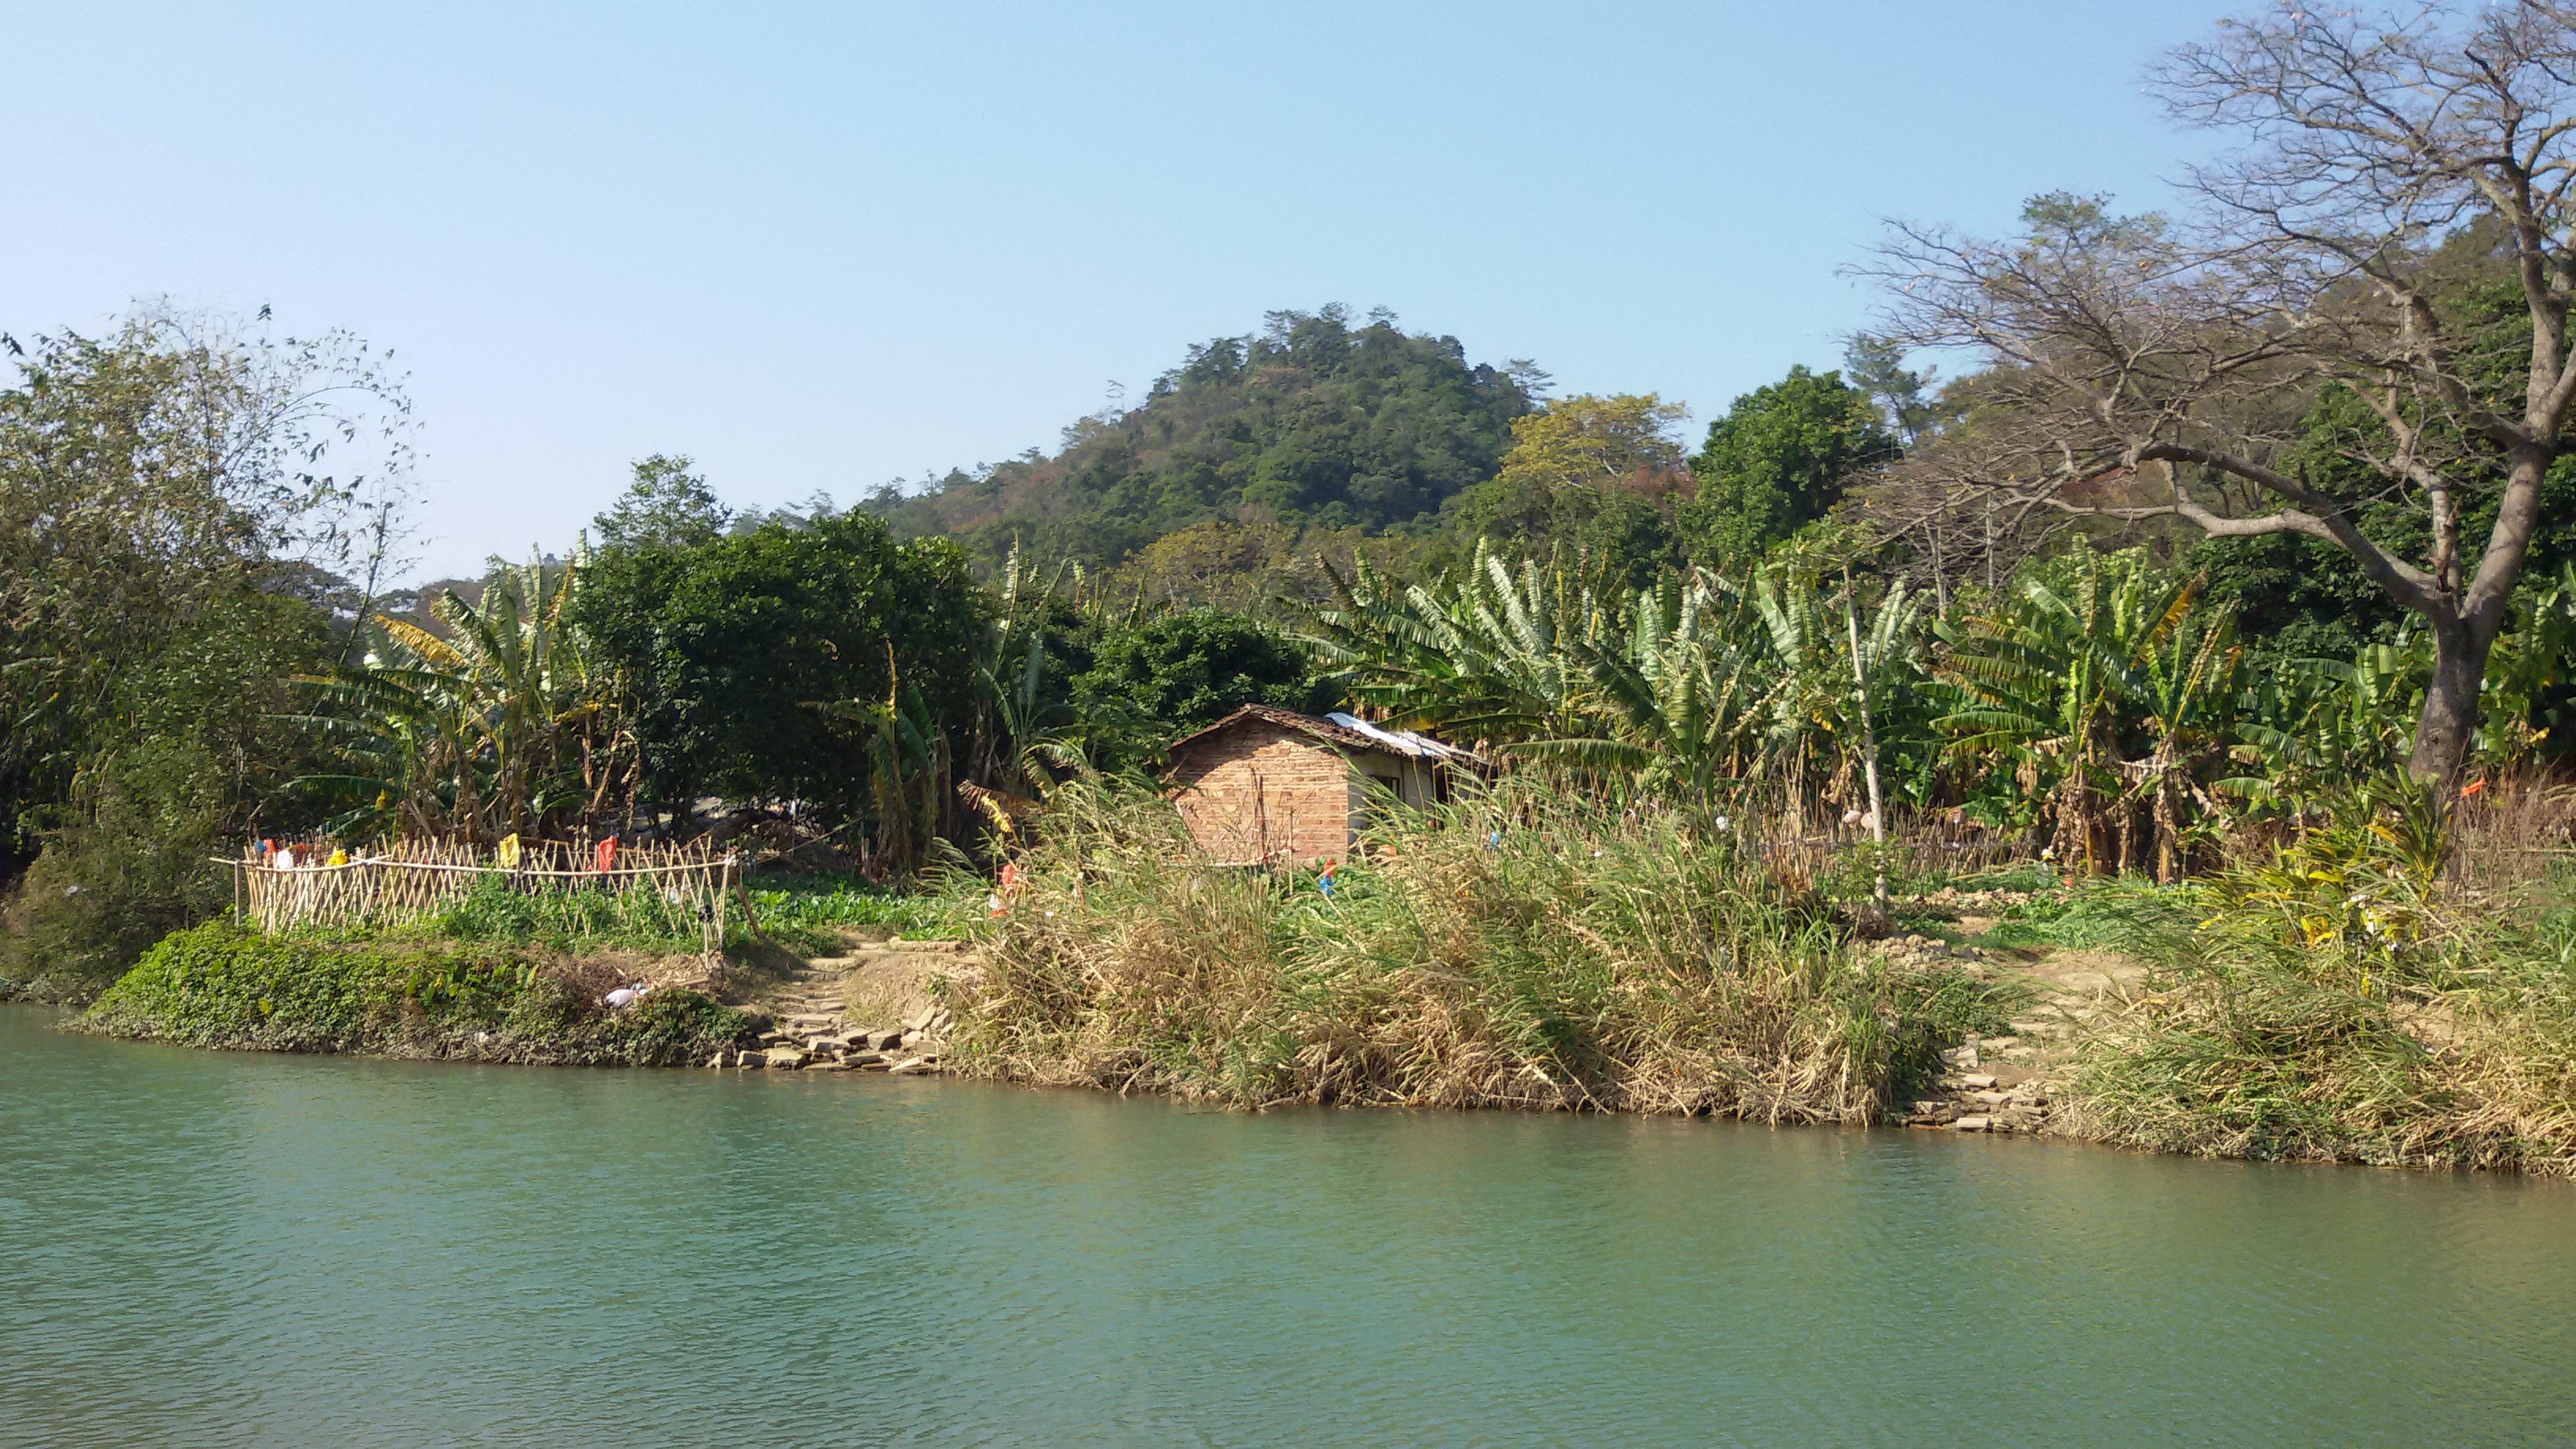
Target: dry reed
{"type": "Point", "coordinates": [1519, 947]}
{"type": "Point", "coordinates": [2334, 1008]}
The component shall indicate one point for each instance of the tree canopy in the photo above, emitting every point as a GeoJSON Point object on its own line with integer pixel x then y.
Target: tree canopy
{"type": "Point", "coordinates": [1594, 475]}
{"type": "Point", "coordinates": [1780, 457]}
{"type": "Point", "coordinates": [730, 649]}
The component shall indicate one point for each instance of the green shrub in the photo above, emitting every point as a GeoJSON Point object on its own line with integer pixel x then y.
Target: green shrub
{"type": "Point", "coordinates": [805, 913]}
{"type": "Point", "coordinates": [638, 918]}
{"type": "Point", "coordinates": [134, 866]}
{"type": "Point", "coordinates": [217, 985]}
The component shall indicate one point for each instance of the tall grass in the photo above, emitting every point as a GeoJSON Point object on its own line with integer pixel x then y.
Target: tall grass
{"type": "Point", "coordinates": [2334, 1005]}
{"type": "Point", "coordinates": [1520, 947]}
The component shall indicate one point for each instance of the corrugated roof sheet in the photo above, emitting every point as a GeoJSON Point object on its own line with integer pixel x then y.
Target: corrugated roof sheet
{"type": "Point", "coordinates": [1342, 731]}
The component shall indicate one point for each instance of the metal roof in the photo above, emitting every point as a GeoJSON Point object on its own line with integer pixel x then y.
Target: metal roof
{"type": "Point", "coordinates": [1341, 731]}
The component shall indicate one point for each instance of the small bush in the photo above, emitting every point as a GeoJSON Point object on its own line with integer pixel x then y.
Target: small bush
{"type": "Point", "coordinates": [217, 985]}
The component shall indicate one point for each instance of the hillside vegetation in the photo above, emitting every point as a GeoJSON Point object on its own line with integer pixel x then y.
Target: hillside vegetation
{"type": "Point", "coordinates": [1310, 422]}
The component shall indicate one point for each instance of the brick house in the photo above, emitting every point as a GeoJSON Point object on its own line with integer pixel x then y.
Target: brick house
{"type": "Point", "coordinates": [1266, 785]}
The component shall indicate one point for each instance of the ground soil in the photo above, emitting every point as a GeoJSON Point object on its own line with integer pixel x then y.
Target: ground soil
{"type": "Point", "coordinates": [871, 983]}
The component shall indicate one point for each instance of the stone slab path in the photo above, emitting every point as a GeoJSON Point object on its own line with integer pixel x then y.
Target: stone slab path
{"type": "Point", "coordinates": [2006, 1083]}
{"type": "Point", "coordinates": [874, 1008]}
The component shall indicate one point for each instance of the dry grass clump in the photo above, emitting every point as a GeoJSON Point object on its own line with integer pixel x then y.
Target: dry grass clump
{"type": "Point", "coordinates": [2514, 834]}
{"type": "Point", "coordinates": [1523, 947]}
{"type": "Point", "coordinates": [2337, 1005]}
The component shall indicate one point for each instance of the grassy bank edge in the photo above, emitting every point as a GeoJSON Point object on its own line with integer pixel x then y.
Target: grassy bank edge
{"type": "Point", "coordinates": [221, 987]}
{"type": "Point", "coordinates": [1523, 947]}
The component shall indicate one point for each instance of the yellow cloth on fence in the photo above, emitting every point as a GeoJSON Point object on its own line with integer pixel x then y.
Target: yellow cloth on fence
{"type": "Point", "coordinates": [338, 857]}
{"type": "Point", "coordinates": [506, 854]}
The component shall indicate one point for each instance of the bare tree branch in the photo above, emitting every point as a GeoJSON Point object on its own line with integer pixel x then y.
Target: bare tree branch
{"type": "Point", "coordinates": [2392, 179]}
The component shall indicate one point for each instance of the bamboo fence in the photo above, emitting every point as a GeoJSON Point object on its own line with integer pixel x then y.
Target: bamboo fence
{"type": "Point", "coordinates": [673, 887]}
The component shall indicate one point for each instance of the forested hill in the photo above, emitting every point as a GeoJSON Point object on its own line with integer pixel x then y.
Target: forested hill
{"type": "Point", "coordinates": [1312, 421]}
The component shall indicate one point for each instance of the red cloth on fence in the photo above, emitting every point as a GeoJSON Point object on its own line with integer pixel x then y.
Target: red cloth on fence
{"type": "Point", "coordinates": [604, 858]}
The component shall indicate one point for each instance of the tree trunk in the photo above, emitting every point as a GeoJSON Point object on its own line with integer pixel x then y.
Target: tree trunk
{"type": "Point", "coordinates": [1869, 742]}
{"type": "Point", "coordinates": [2448, 724]}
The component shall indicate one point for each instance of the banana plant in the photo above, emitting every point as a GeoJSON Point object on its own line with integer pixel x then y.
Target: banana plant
{"type": "Point", "coordinates": [907, 759]}
{"type": "Point", "coordinates": [2054, 682]}
{"type": "Point", "coordinates": [2186, 700]}
{"type": "Point", "coordinates": [500, 726]}
{"type": "Point", "coordinates": [2526, 691]}
{"type": "Point", "coordinates": [1496, 654]}
{"type": "Point", "coordinates": [2313, 725]}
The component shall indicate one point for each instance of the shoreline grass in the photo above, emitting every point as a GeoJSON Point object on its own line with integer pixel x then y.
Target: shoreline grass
{"type": "Point", "coordinates": [1521, 947]}
{"type": "Point", "coordinates": [2266, 1027]}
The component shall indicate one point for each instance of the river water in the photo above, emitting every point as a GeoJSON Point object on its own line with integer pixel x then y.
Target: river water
{"type": "Point", "coordinates": [222, 1249]}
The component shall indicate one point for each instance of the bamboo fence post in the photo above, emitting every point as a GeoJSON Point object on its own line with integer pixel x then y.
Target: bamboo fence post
{"type": "Point", "coordinates": [716, 917]}
{"type": "Point", "coordinates": [742, 885]}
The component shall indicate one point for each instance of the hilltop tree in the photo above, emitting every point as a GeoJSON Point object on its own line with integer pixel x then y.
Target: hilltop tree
{"type": "Point", "coordinates": [2393, 229]}
{"type": "Point", "coordinates": [668, 503]}
{"type": "Point", "coordinates": [1311, 422]}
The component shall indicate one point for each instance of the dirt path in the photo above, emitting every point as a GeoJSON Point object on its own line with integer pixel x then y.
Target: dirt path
{"type": "Point", "coordinates": [2007, 1083]}
{"type": "Point", "coordinates": [873, 1008]}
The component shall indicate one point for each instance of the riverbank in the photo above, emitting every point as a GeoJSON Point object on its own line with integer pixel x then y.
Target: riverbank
{"type": "Point", "coordinates": [223, 987]}
{"type": "Point", "coordinates": [2339, 1002]}
{"type": "Point", "coordinates": [1528, 948]}
{"type": "Point", "coordinates": [1537, 951]}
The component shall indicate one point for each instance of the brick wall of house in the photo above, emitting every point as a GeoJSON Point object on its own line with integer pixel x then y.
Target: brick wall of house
{"type": "Point", "coordinates": [1260, 792]}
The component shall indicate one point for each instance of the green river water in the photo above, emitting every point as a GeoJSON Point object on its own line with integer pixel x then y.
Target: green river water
{"type": "Point", "coordinates": [221, 1249]}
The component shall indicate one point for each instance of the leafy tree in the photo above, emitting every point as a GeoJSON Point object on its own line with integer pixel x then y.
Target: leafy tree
{"type": "Point", "coordinates": [174, 499]}
{"type": "Point", "coordinates": [153, 483]}
{"type": "Point", "coordinates": [1595, 476]}
{"type": "Point", "coordinates": [1182, 670]}
{"type": "Point", "coordinates": [1780, 458]}
{"type": "Point", "coordinates": [668, 503]}
{"type": "Point", "coordinates": [2298, 597]}
{"type": "Point", "coordinates": [734, 652]}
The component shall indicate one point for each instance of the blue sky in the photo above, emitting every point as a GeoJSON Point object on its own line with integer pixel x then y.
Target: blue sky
{"type": "Point", "coordinates": [824, 246]}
